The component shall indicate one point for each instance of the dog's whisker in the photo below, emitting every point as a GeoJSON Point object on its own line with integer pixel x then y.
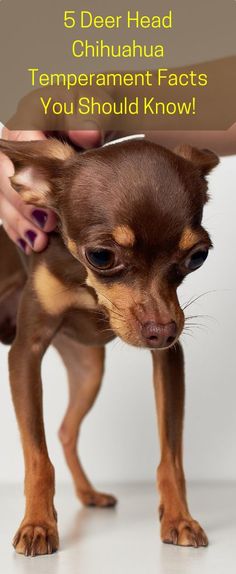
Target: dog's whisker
{"type": "Point", "coordinates": [200, 327]}
{"type": "Point", "coordinates": [188, 334]}
{"type": "Point", "coordinates": [195, 299]}
{"type": "Point", "coordinates": [201, 316]}
{"type": "Point", "coordinates": [116, 343]}
{"type": "Point", "coordinates": [118, 310]}
{"type": "Point", "coordinates": [114, 307]}
{"type": "Point", "coordinates": [114, 313]}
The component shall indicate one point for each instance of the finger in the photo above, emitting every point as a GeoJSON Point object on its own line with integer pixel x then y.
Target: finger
{"type": "Point", "coordinates": [17, 135]}
{"type": "Point", "coordinates": [43, 218]}
{"type": "Point", "coordinates": [23, 228]}
{"type": "Point", "coordinates": [21, 243]}
{"type": "Point", "coordinates": [90, 137]}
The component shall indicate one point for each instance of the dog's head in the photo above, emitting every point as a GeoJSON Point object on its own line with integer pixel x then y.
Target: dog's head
{"type": "Point", "coordinates": [131, 214]}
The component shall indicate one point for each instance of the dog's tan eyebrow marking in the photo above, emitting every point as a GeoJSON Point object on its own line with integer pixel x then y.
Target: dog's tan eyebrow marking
{"type": "Point", "coordinates": [55, 297]}
{"type": "Point", "coordinates": [124, 235]}
{"type": "Point", "coordinates": [71, 244]}
{"type": "Point", "coordinates": [188, 239]}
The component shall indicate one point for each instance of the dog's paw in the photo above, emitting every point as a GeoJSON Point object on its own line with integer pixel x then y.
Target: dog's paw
{"type": "Point", "coordinates": [99, 499]}
{"type": "Point", "coordinates": [183, 532]}
{"type": "Point", "coordinates": [34, 540]}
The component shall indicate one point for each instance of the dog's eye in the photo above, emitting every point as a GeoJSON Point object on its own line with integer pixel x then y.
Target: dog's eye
{"type": "Point", "coordinates": [100, 258]}
{"type": "Point", "coordinates": [196, 260]}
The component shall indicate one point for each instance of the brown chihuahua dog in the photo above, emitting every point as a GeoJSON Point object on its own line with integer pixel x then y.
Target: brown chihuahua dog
{"type": "Point", "coordinates": [129, 232]}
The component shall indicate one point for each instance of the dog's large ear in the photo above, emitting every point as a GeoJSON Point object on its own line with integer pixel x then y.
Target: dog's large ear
{"type": "Point", "coordinates": [38, 169]}
{"type": "Point", "coordinates": [204, 159]}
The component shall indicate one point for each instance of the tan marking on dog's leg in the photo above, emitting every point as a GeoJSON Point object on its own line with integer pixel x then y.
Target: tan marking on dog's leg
{"type": "Point", "coordinates": [124, 236]}
{"type": "Point", "coordinates": [177, 525]}
{"type": "Point", "coordinates": [85, 370]}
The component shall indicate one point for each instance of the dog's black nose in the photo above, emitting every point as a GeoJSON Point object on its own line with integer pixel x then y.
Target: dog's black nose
{"type": "Point", "coordinates": [157, 335]}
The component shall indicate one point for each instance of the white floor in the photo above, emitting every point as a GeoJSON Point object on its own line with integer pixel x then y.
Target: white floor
{"type": "Point", "coordinates": [125, 540]}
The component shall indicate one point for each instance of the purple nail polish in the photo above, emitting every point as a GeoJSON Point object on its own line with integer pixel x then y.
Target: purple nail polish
{"type": "Point", "coordinates": [40, 217]}
{"type": "Point", "coordinates": [22, 244]}
{"type": "Point", "coordinates": [31, 236]}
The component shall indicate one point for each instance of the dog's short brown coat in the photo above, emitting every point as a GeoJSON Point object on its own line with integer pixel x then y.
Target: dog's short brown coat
{"type": "Point", "coordinates": [144, 203]}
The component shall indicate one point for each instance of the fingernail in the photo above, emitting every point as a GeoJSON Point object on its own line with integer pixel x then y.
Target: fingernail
{"type": "Point", "coordinates": [40, 217]}
{"type": "Point", "coordinates": [22, 244]}
{"type": "Point", "coordinates": [31, 236]}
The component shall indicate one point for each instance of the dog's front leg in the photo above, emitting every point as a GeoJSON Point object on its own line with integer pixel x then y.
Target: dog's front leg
{"type": "Point", "coordinates": [37, 533]}
{"type": "Point", "coordinates": [177, 525]}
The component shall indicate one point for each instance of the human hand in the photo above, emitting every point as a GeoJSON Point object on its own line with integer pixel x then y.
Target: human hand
{"type": "Point", "coordinates": [27, 225]}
